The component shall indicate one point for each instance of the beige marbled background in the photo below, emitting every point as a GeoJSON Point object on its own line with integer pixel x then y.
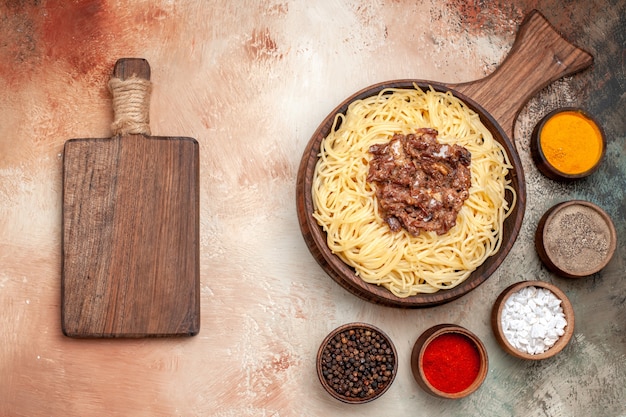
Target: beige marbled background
{"type": "Point", "coordinates": [251, 80]}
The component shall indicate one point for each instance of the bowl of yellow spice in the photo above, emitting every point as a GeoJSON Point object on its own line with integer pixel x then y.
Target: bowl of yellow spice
{"type": "Point", "coordinates": [567, 144]}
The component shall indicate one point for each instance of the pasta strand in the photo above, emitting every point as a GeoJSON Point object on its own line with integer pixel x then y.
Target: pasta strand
{"type": "Point", "coordinates": [346, 207]}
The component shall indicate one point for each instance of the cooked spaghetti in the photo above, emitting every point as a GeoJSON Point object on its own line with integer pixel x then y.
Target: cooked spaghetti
{"type": "Point", "coordinates": [346, 207]}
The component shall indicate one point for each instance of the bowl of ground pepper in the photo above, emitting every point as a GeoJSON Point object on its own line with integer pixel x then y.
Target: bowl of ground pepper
{"type": "Point", "coordinates": [356, 363]}
{"type": "Point", "coordinates": [567, 144]}
{"type": "Point", "coordinates": [575, 239]}
{"type": "Point", "coordinates": [449, 361]}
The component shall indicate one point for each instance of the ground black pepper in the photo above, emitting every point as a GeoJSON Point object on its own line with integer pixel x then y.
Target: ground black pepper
{"type": "Point", "coordinates": [577, 239]}
{"type": "Point", "coordinates": [358, 363]}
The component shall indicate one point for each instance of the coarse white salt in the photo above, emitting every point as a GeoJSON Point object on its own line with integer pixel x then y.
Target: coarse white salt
{"type": "Point", "coordinates": [533, 320]}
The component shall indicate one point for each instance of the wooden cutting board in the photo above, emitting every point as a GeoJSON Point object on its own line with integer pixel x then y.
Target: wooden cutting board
{"type": "Point", "coordinates": [130, 262]}
{"type": "Point", "coordinates": [539, 56]}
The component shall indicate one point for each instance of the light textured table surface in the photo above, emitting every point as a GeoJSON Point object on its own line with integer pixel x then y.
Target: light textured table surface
{"type": "Point", "coordinates": [251, 80]}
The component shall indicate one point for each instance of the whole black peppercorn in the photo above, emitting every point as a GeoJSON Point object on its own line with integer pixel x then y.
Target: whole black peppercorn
{"type": "Point", "coordinates": [361, 362]}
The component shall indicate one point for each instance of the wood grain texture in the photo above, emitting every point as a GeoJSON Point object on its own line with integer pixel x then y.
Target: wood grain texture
{"type": "Point", "coordinates": [539, 56]}
{"type": "Point", "coordinates": [344, 275]}
{"type": "Point", "coordinates": [498, 99]}
{"type": "Point", "coordinates": [130, 234]}
{"type": "Point", "coordinates": [251, 81]}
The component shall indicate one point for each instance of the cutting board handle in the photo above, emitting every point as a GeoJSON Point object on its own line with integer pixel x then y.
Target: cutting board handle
{"type": "Point", "coordinates": [130, 86]}
{"type": "Point", "coordinates": [539, 56]}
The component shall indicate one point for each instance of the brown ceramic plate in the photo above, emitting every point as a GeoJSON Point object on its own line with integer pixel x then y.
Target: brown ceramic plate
{"type": "Point", "coordinates": [344, 274]}
{"type": "Point", "coordinates": [501, 96]}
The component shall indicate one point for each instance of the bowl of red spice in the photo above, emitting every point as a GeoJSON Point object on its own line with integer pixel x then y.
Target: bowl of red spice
{"type": "Point", "coordinates": [449, 361]}
{"type": "Point", "coordinates": [567, 144]}
{"type": "Point", "coordinates": [575, 239]}
{"type": "Point", "coordinates": [356, 363]}
{"type": "Point", "coordinates": [532, 320]}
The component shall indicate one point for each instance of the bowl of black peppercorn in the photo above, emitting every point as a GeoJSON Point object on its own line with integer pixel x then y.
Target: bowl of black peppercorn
{"type": "Point", "coordinates": [356, 363]}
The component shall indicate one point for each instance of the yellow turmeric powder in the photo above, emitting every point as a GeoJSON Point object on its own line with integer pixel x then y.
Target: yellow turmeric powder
{"type": "Point", "coordinates": [571, 142]}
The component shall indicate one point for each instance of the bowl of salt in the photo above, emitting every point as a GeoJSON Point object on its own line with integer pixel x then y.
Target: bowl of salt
{"type": "Point", "coordinates": [532, 320]}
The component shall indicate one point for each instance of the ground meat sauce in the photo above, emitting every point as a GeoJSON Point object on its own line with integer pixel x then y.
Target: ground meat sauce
{"type": "Point", "coordinates": [421, 184]}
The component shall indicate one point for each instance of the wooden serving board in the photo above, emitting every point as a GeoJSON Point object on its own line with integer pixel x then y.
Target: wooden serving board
{"type": "Point", "coordinates": [539, 56]}
{"type": "Point", "coordinates": [130, 233]}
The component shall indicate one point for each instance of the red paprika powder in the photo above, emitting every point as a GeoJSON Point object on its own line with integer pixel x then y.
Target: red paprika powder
{"type": "Point", "coordinates": [451, 362]}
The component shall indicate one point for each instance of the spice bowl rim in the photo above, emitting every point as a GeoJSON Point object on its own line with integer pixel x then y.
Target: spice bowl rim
{"type": "Point", "coordinates": [496, 323]}
{"type": "Point", "coordinates": [540, 235]}
{"type": "Point", "coordinates": [422, 343]}
{"type": "Point", "coordinates": [542, 163]}
{"type": "Point", "coordinates": [333, 333]}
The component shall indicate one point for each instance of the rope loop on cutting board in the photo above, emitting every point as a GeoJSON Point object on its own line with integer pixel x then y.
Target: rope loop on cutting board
{"type": "Point", "coordinates": [131, 105]}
